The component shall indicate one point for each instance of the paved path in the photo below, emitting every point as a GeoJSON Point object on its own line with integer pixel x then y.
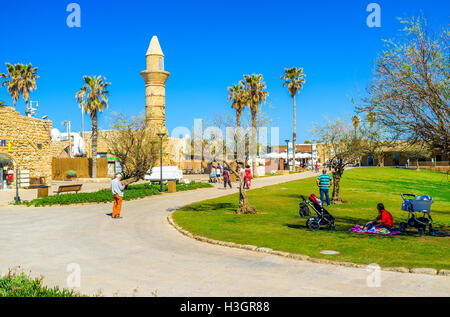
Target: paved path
{"type": "Point", "coordinates": [142, 253]}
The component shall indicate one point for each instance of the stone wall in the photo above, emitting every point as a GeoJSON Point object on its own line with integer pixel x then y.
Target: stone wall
{"type": "Point", "coordinates": [30, 142]}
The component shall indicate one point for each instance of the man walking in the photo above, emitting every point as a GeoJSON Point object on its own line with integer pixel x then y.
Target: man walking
{"type": "Point", "coordinates": [226, 178]}
{"type": "Point", "coordinates": [117, 191]}
{"type": "Point", "coordinates": [324, 182]}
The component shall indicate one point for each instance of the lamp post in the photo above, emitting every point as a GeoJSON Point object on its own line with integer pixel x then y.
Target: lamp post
{"type": "Point", "coordinates": [161, 136]}
{"type": "Point", "coordinates": [17, 198]}
{"type": "Point", "coordinates": [287, 152]}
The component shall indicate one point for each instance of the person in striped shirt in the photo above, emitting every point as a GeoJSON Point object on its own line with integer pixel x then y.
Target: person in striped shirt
{"type": "Point", "coordinates": [324, 182]}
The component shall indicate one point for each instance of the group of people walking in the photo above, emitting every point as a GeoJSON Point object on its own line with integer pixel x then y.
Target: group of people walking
{"type": "Point", "coordinates": [219, 171]}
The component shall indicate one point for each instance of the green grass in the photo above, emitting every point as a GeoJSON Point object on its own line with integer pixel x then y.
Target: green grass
{"type": "Point", "coordinates": [278, 225]}
{"type": "Point", "coordinates": [104, 195]}
{"type": "Point", "coordinates": [22, 285]}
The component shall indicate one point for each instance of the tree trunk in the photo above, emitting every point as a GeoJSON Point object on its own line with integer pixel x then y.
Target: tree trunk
{"type": "Point", "coordinates": [238, 135]}
{"type": "Point", "coordinates": [294, 137]}
{"type": "Point", "coordinates": [14, 105]}
{"type": "Point", "coordinates": [254, 140]}
{"type": "Point", "coordinates": [26, 109]}
{"type": "Point", "coordinates": [94, 143]}
{"type": "Point", "coordinates": [337, 176]}
{"type": "Point", "coordinates": [244, 205]}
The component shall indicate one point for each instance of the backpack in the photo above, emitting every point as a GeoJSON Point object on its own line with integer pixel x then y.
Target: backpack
{"type": "Point", "coordinates": [304, 210]}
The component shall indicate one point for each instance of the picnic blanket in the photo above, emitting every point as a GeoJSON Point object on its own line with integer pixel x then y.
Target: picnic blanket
{"type": "Point", "coordinates": [373, 230]}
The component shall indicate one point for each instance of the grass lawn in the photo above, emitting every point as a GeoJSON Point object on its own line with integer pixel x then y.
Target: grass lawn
{"type": "Point", "coordinates": [279, 226]}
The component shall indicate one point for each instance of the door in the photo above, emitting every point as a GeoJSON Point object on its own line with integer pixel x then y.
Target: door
{"type": "Point", "coordinates": [370, 160]}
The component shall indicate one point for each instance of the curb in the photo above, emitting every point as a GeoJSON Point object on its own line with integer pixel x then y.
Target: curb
{"type": "Point", "coordinates": [302, 257]}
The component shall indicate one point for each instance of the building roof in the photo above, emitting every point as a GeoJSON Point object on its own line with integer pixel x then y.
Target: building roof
{"type": "Point", "coordinates": [154, 48]}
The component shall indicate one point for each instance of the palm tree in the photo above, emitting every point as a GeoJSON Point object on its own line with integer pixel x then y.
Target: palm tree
{"type": "Point", "coordinates": [12, 76]}
{"type": "Point", "coordinates": [356, 120]}
{"type": "Point", "coordinates": [27, 83]}
{"type": "Point", "coordinates": [236, 95]}
{"type": "Point", "coordinates": [294, 78]}
{"type": "Point", "coordinates": [237, 98]}
{"type": "Point", "coordinates": [255, 95]}
{"type": "Point", "coordinates": [93, 98]}
{"type": "Point", "coordinates": [371, 118]}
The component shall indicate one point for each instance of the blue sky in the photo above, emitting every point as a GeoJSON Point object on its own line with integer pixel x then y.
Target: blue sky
{"type": "Point", "coordinates": [208, 45]}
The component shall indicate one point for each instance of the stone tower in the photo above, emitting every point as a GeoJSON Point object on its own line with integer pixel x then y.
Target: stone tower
{"type": "Point", "coordinates": [155, 86]}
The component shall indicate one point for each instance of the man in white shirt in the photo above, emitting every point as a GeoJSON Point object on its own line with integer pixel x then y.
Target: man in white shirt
{"type": "Point", "coordinates": [117, 191]}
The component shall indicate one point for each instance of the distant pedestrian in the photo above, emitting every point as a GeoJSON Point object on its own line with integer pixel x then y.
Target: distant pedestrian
{"type": "Point", "coordinates": [212, 177]}
{"type": "Point", "coordinates": [248, 177]}
{"type": "Point", "coordinates": [117, 191]}
{"type": "Point", "coordinates": [324, 182]}
{"type": "Point", "coordinates": [317, 168]}
{"type": "Point", "coordinates": [226, 178]}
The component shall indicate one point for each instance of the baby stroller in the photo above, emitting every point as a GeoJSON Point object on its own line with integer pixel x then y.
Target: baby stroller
{"type": "Point", "coordinates": [414, 205]}
{"type": "Point", "coordinates": [323, 216]}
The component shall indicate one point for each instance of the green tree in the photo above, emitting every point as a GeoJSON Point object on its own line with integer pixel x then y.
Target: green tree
{"type": "Point", "coordinates": [12, 79]}
{"type": "Point", "coordinates": [27, 83]}
{"type": "Point", "coordinates": [255, 90]}
{"type": "Point", "coordinates": [93, 98]}
{"type": "Point", "coordinates": [344, 146]}
{"type": "Point", "coordinates": [134, 145]}
{"type": "Point", "coordinates": [410, 92]}
{"type": "Point", "coordinates": [294, 78]}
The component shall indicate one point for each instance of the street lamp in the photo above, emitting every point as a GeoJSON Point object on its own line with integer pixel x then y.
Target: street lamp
{"type": "Point", "coordinates": [161, 136]}
{"type": "Point", "coordinates": [17, 198]}
{"type": "Point", "coordinates": [287, 152]}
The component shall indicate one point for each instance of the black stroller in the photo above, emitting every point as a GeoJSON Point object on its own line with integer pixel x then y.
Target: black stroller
{"type": "Point", "coordinates": [323, 216]}
{"type": "Point", "coordinates": [417, 204]}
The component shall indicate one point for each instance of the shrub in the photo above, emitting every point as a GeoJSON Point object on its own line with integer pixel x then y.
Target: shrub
{"type": "Point", "coordinates": [71, 173]}
{"type": "Point", "coordinates": [21, 285]}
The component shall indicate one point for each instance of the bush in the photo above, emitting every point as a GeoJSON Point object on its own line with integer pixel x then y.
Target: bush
{"type": "Point", "coordinates": [71, 173]}
{"type": "Point", "coordinates": [104, 195]}
{"type": "Point", "coordinates": [22, 285]}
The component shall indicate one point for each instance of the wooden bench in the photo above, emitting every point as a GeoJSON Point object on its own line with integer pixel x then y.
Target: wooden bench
{"type": "Point", "coordinates": [69, 188]}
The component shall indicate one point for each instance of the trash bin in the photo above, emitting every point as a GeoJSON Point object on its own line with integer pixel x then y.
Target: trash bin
{"type": "Point", "coordinates": [172, 187]}
{"type": "Point", "coordinates": [42, 191]}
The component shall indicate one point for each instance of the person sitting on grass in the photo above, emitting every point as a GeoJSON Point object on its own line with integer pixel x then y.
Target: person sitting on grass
{"type": "Point", "coordinates": [383, 220]}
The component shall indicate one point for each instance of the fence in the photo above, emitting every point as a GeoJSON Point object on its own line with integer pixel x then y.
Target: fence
{"type": "Point", "coordinates": [81, 165]}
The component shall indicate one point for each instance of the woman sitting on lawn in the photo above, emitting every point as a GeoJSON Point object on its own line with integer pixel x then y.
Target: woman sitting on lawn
{"type": "Point", "coordinates": [383, 220]}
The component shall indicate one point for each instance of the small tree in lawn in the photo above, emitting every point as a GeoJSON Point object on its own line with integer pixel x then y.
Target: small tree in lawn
{"type": "Point", "coordinates": [244, 205]}
{"type": "Point", "coordinates": [134, 145]}
{"type": "Point", "coordinates": [344, 145]}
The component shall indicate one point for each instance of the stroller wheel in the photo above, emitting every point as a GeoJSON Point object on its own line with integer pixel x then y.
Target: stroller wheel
{"type": "Point", "coordinates": [421, 230]}
{"type": "Point", "coordinates": [331, 226]}
{"type": "Point", "coordinates": [313, 224]}
{"type": "Point", "coordinates": [402, 227]}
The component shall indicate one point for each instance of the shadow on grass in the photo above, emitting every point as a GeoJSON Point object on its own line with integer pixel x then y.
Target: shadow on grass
{"type": "Point", "coordinates": [210, 206]}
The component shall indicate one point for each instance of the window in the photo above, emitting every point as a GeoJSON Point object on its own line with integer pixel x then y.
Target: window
{"type": "Point", "coordinates": [160, 63]}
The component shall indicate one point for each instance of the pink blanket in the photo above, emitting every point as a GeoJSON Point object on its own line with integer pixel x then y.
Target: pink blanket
{"type": "Point", "coordinates": [374, 231]}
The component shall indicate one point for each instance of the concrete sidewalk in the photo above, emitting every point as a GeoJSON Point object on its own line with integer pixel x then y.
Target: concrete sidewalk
{"type": "Point", "coordinates": [142, 253]}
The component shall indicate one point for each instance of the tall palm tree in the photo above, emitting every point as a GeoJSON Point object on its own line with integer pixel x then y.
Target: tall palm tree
{"type": "Point", "coordinates": [236, 95]}
{"type": "Point", "coordinates": [371, 118]}
{"type": "Point", "coordinates": [27, 83]}
{"type": "Point", "coordinates": [294, 78]}
{"type": "Point", "coordinates": [12, 77]}
{"type": "Point", "coordinates": [254, 87]}
{"type": "Point", "coordinates": [93, 97]}
{"type": "Point", "coordinates": [356, 120]}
